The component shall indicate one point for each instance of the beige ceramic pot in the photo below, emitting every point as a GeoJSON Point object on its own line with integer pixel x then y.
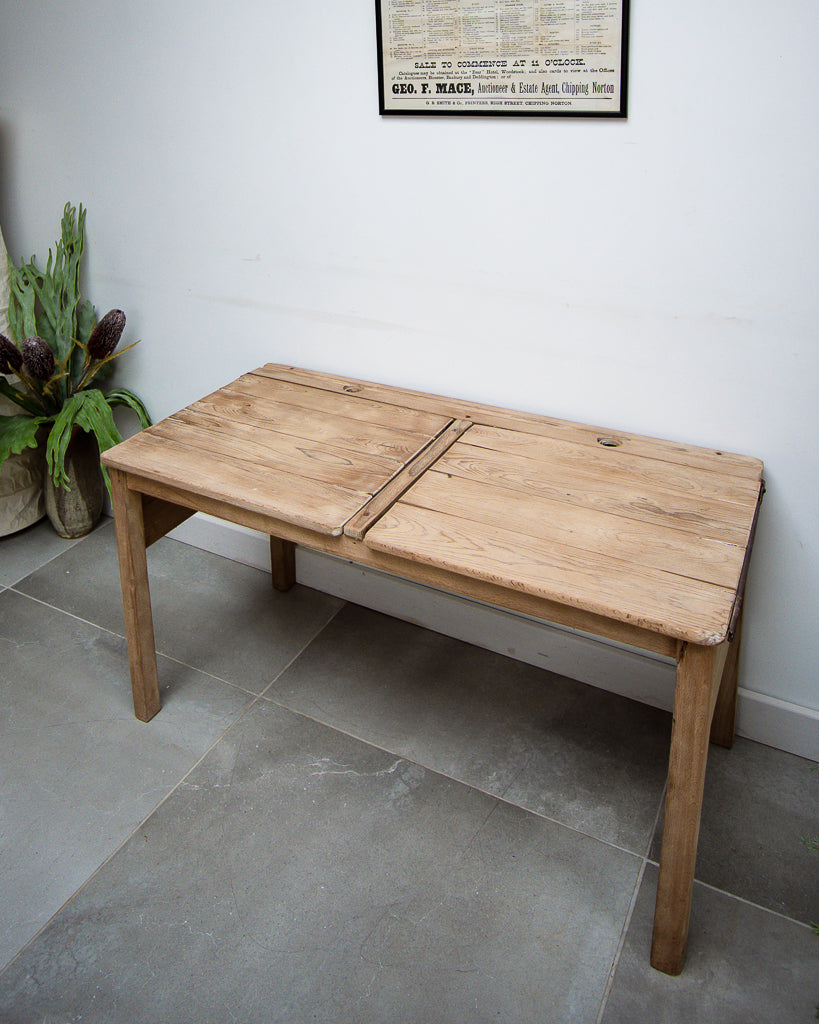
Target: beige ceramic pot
{"type": "Point", "coordinates": [21, 484]}
{"type": "Point", "coordinates": [21, 491]}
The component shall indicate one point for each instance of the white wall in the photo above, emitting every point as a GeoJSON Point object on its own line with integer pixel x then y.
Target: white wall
{"type": "Point", "coordinates": [247, 204]}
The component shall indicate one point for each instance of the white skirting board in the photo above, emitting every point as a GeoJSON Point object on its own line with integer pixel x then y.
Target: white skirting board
{"type": "Point", "coordinates": [610, 666]}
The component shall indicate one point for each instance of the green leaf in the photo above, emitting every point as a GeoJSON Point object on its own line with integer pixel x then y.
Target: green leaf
{"type": "Point", "coordinates": [89, 411]}
{"type": "Point", "coordinates": [46, 292]}
{"type": "Point", "coordinates": [19, 398]}
{"type": "Point", "coordinates": [17, 433]}
{"type": "Point", "coordinates": [122, 396]}
{"type": "Point", "coordinates": [67, 276]}
{"type": "Point", "coordinates": [47, 302]}
{"type": "Point", "coordinates": [86, 318]}
{"type": "Point", "coordinates": [22, 298]}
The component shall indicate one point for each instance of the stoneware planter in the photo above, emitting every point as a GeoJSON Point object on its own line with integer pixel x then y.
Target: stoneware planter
{"type": "Point", "coordinates": [74, 512]}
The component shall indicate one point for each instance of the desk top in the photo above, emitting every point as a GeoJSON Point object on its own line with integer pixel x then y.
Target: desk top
{"type": "Point", "coordinates": [643, 531]}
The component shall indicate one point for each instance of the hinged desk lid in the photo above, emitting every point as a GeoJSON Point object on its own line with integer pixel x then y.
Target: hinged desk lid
{"type": "Point", "coordinates": [292, 451]}
{"type": "Point", "coordinates": [632, 536]}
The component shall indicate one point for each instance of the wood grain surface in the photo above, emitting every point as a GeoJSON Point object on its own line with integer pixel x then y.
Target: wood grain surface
{"type": "Point", "coordinates": [638, 530]}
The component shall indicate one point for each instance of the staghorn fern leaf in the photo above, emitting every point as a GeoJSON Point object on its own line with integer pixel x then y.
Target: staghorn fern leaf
{"type": "Point", "coordinates": [18, 433]}
{"type": "Point", "coordinates": [89, 411]}
{"type": "Point", "coordinates": [47, 303]}
{"type": "Point", "coordinates": [122, 396]}
{"type": "Point", "coordinates": [86, 318]}
{"type": "Point", "coordinates": [69, 254]}
{"type": "Point", "coordinates": [22, 318]}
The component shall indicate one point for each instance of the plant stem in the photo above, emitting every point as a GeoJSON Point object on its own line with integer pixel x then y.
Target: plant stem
{"type": "Point", "coordinates": [30, 386]}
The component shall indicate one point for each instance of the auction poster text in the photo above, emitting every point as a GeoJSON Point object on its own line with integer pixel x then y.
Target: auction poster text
{"type": "Point", "coordinates": [503, 56]}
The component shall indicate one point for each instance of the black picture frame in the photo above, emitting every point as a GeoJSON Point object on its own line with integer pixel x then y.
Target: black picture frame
{"type": "Point", "coordinates": [490, 58]}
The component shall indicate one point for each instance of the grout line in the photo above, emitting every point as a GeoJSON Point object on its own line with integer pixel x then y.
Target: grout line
{"type": "Point", "coordinates": [632, 904]}
{"type": "Point", "coordinates": [120, 636]}
{"type": "Point", "coordinates": [265, 694]}
{"type": "Point", "coordinates": [255, 698]}
{"type": "Point", "coordinates": [170, 657]}
{"type": "Point", "coordinates": [236, 686]}
{"type": "Point", "coordinates": [644, 859]}
{"type": "Point", "coordinates": [715, 888]}
{"type": "Point", "coordinates": [499, 799]}
{"type": "Point", "coordinates": [141, 824]}
{"type": "Point", "coordinates": [750, 903]}
{"type": "Point", "coordinates": [68, 544]}
{"type": "Point", "coordinates": [655, 826]}
{"type": "Point", "coordinates": [199, 671]}
{"type": "Point", "coordinates": [554, 821]}
{"type": "Point", "coordinates": [62, 611]}
{"type": "Point", "coordinates": [129, 837]}
{"type": "Point", "coordinates": [296, 656]}
{"type": "Point", "coordinates": [621, 943]}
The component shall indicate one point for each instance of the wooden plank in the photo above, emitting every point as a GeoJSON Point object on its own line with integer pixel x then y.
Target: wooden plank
{"type": "Point", "coordinates": [346, 432]}
{"type": "Point", "coordinates": [381, 502]}
{"type": "Point", "coordinates": [672, 605]}
{"type": "Point", "coordinates": [363, 392]}
{"type": "Point", "coordinates": [549, 521]}
{"type": "Point", "coordinates": [429, 575]}
{"type": "Point", "coordinates": [372, 451]}
{"type": "Point", "coordinates": [318, 506]}
{"type": "Point", "coordinates": [160, 518]}
{"type": "Point", "coordinates": [715, 460]}
{"type": "Point", "coordinates": [345, 401]}
{"type": "Point", "coordinates": [723, 721]}
{"type": "Point", "coordinates": [615, 462]}
{"type": "Point", "coordinates": [705, 517]}
{"type": "Point", "coordinates": [309, 460]}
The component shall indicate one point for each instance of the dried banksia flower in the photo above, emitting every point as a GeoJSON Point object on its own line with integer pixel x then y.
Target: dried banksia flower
{"type": "Point", "coordinates": [38, 358]}
{"type": "Point", "coordinates": [11, 358]}
{"type": "Point", "coordinates": [106, 334]}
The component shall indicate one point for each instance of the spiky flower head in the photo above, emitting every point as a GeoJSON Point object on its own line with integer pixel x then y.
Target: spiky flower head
{"type": "Point", "coordinates": [38, 358]}
{"type": "Point", "coordinates": [106, 334]}
{"type": "Point", "coordinates": [11, 358]}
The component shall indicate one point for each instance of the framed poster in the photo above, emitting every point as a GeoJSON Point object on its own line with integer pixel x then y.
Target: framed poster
{"type": "Point", "coordinates": [489, 57]}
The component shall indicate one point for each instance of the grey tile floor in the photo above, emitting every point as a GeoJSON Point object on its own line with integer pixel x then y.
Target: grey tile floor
{"type": "Point", "coordinates": [340, 817]}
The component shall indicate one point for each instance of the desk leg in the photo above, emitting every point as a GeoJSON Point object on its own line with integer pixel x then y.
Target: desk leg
{"type": "Point", "coordinates": [698, 675]}
{"type": "Point", "coordinates": [136, 597]}
{"type": "Point", "coordinates": [282, 563]}
{"type": "Point", "coordinates": [725, 712]}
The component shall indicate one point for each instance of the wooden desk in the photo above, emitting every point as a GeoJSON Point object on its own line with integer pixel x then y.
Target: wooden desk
{"type": "Point", "coordinates": [633, 539]}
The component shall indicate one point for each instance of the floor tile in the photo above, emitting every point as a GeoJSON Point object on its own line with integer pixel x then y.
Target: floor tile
{"type": "Point", "coordinates": [23, 552]}
{"type": "Point", "coordinates": [299, 874]}
{"type": "Point", "coordinates": [78, 772]}
{"type": "Point", "coordinates": [211, 613]}
{"type": "Point", "coordinates": [589, 759]}
{"type": "Point", "coordinates": [745, 966]}
{"type": "Point", "coordinates": [759, 806]}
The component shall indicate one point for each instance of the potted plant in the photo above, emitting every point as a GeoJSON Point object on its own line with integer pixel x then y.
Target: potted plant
{"type": "Point", "coordinates": [51, 367]}
{"type": "Point", "coordinates": [21, 476]}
